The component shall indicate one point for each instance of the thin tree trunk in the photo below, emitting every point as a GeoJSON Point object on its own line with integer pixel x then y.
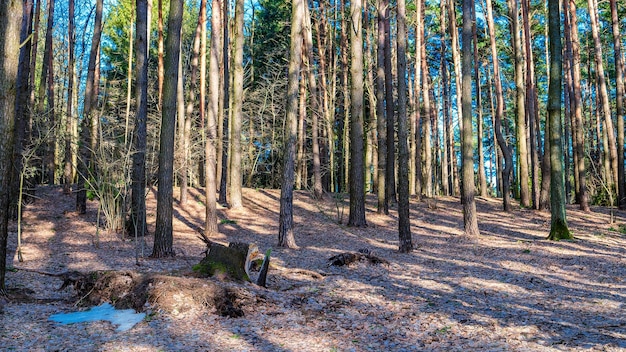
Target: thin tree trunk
{"type": "Point", "coordinates": [210, 226]}
{"type": "Point", "coordinates": [22, 108]}
{"type": "Point", "coordinates": [417, 106]}
{"type": "Point", "coordinates": [508, 159]}
{"type": "Point", "coordinates": [179, 151]}
{"type": "Point", "coordinates": [381, 123]}
{"type": "Point", "coordinates": [520, 106]}
{"type": "Point", "coordinates": [137, 224]}
{"type": "Point", "coordinates": [612, 176]}
{"type": "Point", "coordinates": [577, 107]}
{"type": "Point", "coordinates": [482, 178]}
{"type": "Point", "coordinates": [448, 149]}
{"type": "Point", "coordinates": [390, 177]}
{"type": "Point", "coordinates": [202, 161]}
{"type": "Point", "coordinates": [558, 228]}
{"type": "Point", "coordinates": [404, 224]}
{"type": "Point", "coordinates": [357, 169]}
{"type": "Point", "coordinates": [286, 236]}
{"type": "Point", "coordinates": [300, 161]}
{"type": "Point", "coordinates": [456, 59]}
{"type": "Point", "coordinates": [161, 51]}
{"type": "Point", "coordinates": [11, 14]}
{"type": "Point", "coordinates": [316, 107]}
{"type": "Point", "coordinates": [222, 125]}
{"type": "Point", "coordinates": [619, 102]}
{"type": "Point", "coordinates": [47, 86]}
{"type": "Point", "coordinates": [163, 236]}
{"type": "Point", "coordinates": [235, 184]}
{"type": "Point", "coordinates": [427, 177]}
{"type": "Point", "coordinates": [531, 107]}
{"type": "Point", "coordinates": [90, 104]}
{"type": "Point", "coordinates": [470, 218]}
{"type": "Point", "coordinates": [67, 169]}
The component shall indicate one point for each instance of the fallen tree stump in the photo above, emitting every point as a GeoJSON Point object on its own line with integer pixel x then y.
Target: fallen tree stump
{"type": "Point", "coordinates": [348, 258]}
{"type": "Point", "coordinates": [233, 261]}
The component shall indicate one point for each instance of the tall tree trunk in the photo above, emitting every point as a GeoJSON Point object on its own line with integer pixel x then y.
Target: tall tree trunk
{"type": "Point", "coordinates": [345, 93]}
{"type": "Point", "coordinates": [286, 236]}
{"type": "Point", "coordinates": [129, 75]}
{"type": "Point", "coordinates": [390, 177]}
{"type": "Point", "coordinates": [161, 51]}
{"type": "Point", "coordinates": [202, 100]}
{"type": "Point", "coordinates": [577, 107]}
{"type": "Point", "coordinates": [404, 224]}
{"type": "Point", "coordinates": [508, 158]}
{"type": "Point", "coordinates": [300, 160]}
{"type": "Point", "coordinates": [531, 107]}
{"type": "Point", "coordinates": [619, 102]}
{"type": "Point", "coordinates": [210, 226]}
{"type": "Point", "coordinates": [482, 177]}
{"type": "Point", "coordinates": [22, 107]}
{"type": "Point", "coordinates": [456, 58]}
{"type": "Point", "coordinates": [558, 228]}
{"type": "Point", "coordinates": [417, 106]}
{"type": "Point", "coordinates": [357, 169]}
{"type": "Point", "coordinates": [67, 168]}
{"type": "Point", "coordinates": [520, 106]}
{"type": "Point", "coordinates": [11, 14]}
{"type": "Point", "coordinates": [236, 180]}
{"type": "Point", "coordinates": [427, 173]}
{"type": "Point", "coordinates": [90, 105]}
{"type": "Point", "coordinates": [612, 176]}
{"type": "Point", "coordinates": [222, 124]}
{"type": "Point", "coordinates": [179, 152]}
{"type": "Point", "coordinates": [316, 107]}
{"type": "Point", "coordinates": [191, 104]}
{"type": "Point", "coordinates": [137, 224]}
{"type": "Point", "coordinates": [47, 86]}
{"type": "Point", "coordinates": [448, 148]}
{"type": "Point", "coordinates": [381, 122]}
{"type": "Point", "coordinates": [470, 218]}
{"type": "Point", "coordinates": [163, 237]}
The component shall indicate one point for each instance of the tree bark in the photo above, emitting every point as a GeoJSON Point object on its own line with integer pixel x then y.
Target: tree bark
{"type": "Point", "coordinates": [67, 167]}
{"type": "Point", "coordinates": [11, 14]}
{"type": "Point", "coordinates": [427, 172]}
{"type": "Point", "coordinates": [163, 237]}
{"type": "Point", "coordinates": [470, 218]}
{"type": "Point", "coordinates": [520, 106]}
{"type": "Point", "coordinates": [558, 228]}
{"type": "Point", "coordinates": [619, 102]}
{"type": "Point", "coordinates": [235, 184]}
{"type": "Point", "coordinates": [612, 176]}
{"type": "Point", "coordinates": [404, 223]}
{"type": "Point", "coordinates": [47, 86]}
{"type": "Point", "coordinates": [577, 109]}
{"type": "Point", "coordinates": [508, 158]}
{"type": "Point", "coordinates": [381, 122]}
{"type": "Point", "coordinates": [390, 177]}
{"type": "Point", "coordinates": [286, 236]}
{"type": "Point", "coordinates": [91, 100]}
{"type": "Point", "coordinates": [161, 51]}
{"type": "Point", "coordinates": [137, 225]}
{"type": "Point", "coordinates": [316, 107]}
{"type": "Point", "coordinates": [210, 226]}
{"type": "Point", "coordinates": [22, 108]}
{"type": "Point", "coordinates": [357, 169]}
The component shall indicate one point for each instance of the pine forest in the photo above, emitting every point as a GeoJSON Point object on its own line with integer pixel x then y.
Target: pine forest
{"type": "Point", "coordinates": [323, 175]}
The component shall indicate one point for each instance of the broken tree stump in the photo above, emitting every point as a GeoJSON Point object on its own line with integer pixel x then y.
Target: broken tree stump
{"type": "Point", "coordinates": [231, 261]}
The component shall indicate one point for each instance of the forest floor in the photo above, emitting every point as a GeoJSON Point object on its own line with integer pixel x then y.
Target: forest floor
{"type": "Point", "coordinates": [508, 290]}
